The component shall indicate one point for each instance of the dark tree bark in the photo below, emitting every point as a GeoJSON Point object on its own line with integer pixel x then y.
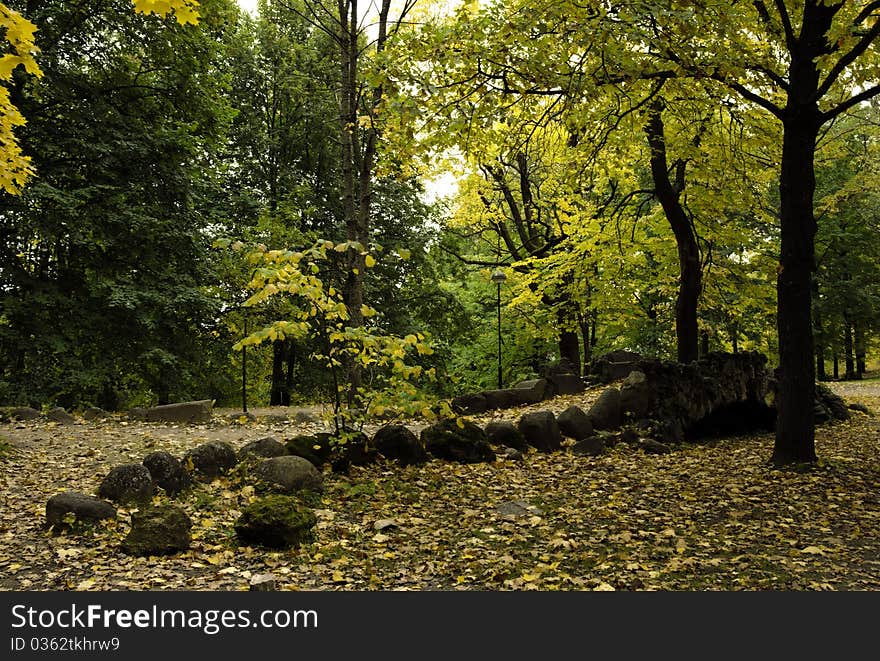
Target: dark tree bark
{"type": "Point", "coordinates": [704, 342]}
{"type": "Point", "coordinates": [569, 351]}
{"type": "Point", "coordinates": [690, 283]}
{"type": "Point", "coordinates": [282, 371]}
{"type": "Point", "coordinates": [859, 341]}
{"type": "Point", "coordinates": [836, 367]}
{"type": "Point", "coordinates": [801, 121]}
{"type": "Point", "coordinates": [850, 373]}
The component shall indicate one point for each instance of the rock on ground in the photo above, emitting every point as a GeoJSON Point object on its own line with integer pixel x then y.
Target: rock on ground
{"type": "Point", "coordinates": [398, 443]}
{"type": "Point", "coordinates": [128, 483]}
{"type": "Point", "coordinates": [289, 474]}
{"type": "Point", "coordinates": [456, 439]}
{"type": "Point", "coordinates": [167, 472]}
{"type": "Point", "coordinates": [159, 530]}
{"type": "Point", "coordinates": [85, 509]}
{"type": "Point", "coordinates": [211, 460]}
{"type": "Point", "coordinates": [275, 521]}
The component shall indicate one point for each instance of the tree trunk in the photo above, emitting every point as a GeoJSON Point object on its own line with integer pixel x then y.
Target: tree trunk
{"type": "Point", "coordinates": [858, 330]}
{"type": "Point", "coordinates": [795, 433]}
{"type": "Point", "coordinates": [836, 367]}
{"type": "Point", "coordinates": [279, 394]}
{"type": "Point", "coordinates": [690, 283]}
{"type": "Point", "coordinates": [569, 351]}
{"type": "Point", "coordinates": [850, 373]}
{"type": "Point", "coordinates": [584, 324]}
{"type": "Point", "coordinates": [704, 342]}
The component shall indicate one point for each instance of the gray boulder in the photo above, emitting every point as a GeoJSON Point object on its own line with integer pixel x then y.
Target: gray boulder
{"type": "Point", "coordinates": [541, 431]}
{"type": "Point", "coordinates": [160, 530]}
{"type": "Point", "coordinates": [289, 474]}
{"type": "Point", "coordinates": [183, 412]}
{"type": "Point", "coordinates": [605, 414]}
{"type": "Point", "coordinates": [24, 413]}
{"type": "Point", "coordinates": [589, 447]}
{"type": "Point", "coordinates": [275, 521]}
{"type": "Point", "coordinates": [167, 472]}
{"type": "Point", "coordinates": [506, 433]}
{"type": "Point", "coordinates": [93, 414]}
{"type": "Point", "coordinates": [137, 414]}
{"type": "Point", "coordinates": [637, 397]}
{"type": "Point", "coordinates": [129, 483]}
{"type": "Point", "coordinates": [574, 423]}
{"type": "Point", "coordinates": [397, 442]}
{"type": "Point", "coordinates": [263, 447]}
{"type": "Point", "coordinates": [457, 440]}
{"type": "Point", "coordinates": [650, 446]}
{"type": "Point", "coordinates": [211, 460]}
{"type": "Point", "coordinates": [85, 509]}
{"type": "Point", "coordinates": [60, 416]}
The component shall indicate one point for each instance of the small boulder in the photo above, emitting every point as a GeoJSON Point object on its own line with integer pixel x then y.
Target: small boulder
{"type": "Point", "coordinates": [262, 583]}
{"type": "Point", "coordinates": [315, 449]}
{"type": "Point", "coordinates": [275, 521]}
{"type": "Point", "coordinates": [137, 414]}
{"type": "Point", "coordinates": [541, 431]}
{"type": "Point", "coordinates": [354, 451]}
{"type": "Point", "coordinates": [211, 460]}
{"type": "Point", "coordinates": [263, 447]}
{"type": "Point", "coordinates": [128, 483]}
{"type": "Point", "coordinates": [167, 472]}
{"type": "Point", "coordinates": [589, 447]}
{"type": "Point", "coordinates": [159, 530]}
{"type": "Point", "coordinates": [456, 439]}
{"type": "Point", "coordinates": [60, 416]}
{"type": "Point", "coordinates": [605, 414]}
{"type": "Point", "coordinates": [472, 403]}
{"type": "Point", "coordinates": [183, 412]}
{"type": "Point", "coordinates": [399, 443]}
{"type": "Point", "coordinates": [85, 509]}
{"type": "Point", "coordinates": [93, 414]}
{"type": "Point", "coordinates": [650, 446]}
{"type": "Point", "coordinates": [289, 474]}
{"type": "Point", "coordinates": [574, 423]}
{"type": "Point", "coordinates": [637, 396]}
{"type": "Point", "coordinates": [512, 454]}
{"type": "Point", "coordinates": [506, 433]}
{"type": "Point", "coordinates": [24, 413]}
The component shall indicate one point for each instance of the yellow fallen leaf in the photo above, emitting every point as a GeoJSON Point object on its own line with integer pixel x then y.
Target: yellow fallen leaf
{"type": "Point", "coordinates": [813, 550]}
{"type": "Point", "coordinates": [338, 577]}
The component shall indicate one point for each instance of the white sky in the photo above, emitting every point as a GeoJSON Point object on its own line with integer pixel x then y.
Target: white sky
{"type": "Point", "coordinates": [248, 5]}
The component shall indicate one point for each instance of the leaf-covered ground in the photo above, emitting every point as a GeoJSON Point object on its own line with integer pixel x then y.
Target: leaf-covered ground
{"type": "Point", "coordinates": [705, 517]}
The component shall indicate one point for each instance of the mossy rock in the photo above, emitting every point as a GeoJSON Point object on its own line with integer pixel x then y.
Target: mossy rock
{"type": "Point", "coordinates": [275, 521]}
{"type": "Point", "coordinates": [158, 530]}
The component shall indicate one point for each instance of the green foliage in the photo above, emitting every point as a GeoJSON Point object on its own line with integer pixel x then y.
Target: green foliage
{"type": "Point", "coordinates": [318, 313]}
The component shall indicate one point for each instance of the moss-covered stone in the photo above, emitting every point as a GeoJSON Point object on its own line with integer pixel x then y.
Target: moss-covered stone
{"type": "Point", "coordinates": [159, 530]}
{"type": "Point", "coordinates": [275, 521]}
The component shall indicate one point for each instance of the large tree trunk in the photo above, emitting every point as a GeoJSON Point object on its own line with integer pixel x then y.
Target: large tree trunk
{"type": "Point", "coordinates": [690, 283]}
{"type": "Point", "coordinates": [795, 433]}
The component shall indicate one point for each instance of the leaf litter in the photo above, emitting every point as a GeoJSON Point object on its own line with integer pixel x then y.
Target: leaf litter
{"type": "Point", "coordinates": [710, 516]}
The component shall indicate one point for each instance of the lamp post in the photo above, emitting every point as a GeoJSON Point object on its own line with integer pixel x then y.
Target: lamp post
{"type": "Point", "coordinates": [498, 278]}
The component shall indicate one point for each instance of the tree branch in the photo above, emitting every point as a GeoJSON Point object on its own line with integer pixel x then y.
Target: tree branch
{"type": "Point", "coordinates": [869, 93]}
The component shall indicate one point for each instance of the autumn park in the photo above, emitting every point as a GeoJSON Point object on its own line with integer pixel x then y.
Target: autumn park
{"type": "Point", "coordinates": [439, 295]}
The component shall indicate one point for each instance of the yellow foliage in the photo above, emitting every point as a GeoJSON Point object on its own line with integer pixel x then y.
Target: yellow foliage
{"type": "Point", "coordinates": [185, 11]}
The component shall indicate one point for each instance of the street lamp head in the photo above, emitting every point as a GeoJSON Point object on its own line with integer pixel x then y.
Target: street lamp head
{"type": "Point", "coordinates": [498, 276]}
